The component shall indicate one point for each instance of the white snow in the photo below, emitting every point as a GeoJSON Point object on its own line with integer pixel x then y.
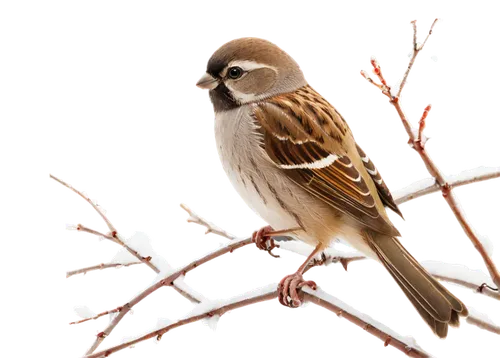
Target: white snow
{"type": "Point", "coordinates": [416, 187]}
{"type": "Point", "coordinates": [84, 311]}
{"type": "Point", "coordinates": [456, 271]}
{"type": "Point", "coordinates": [179, 282]}
{"type": "Point", "coordinates": [409, 341]}
{"type": "Point", "coordinates": [473, 313]}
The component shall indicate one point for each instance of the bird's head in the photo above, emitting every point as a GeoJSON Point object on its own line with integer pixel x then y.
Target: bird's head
{"type": "Point", "coordinates": [248, 70]}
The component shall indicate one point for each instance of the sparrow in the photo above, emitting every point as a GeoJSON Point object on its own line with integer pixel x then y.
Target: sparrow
{"type": "Point", "coordinates": [293, 159]}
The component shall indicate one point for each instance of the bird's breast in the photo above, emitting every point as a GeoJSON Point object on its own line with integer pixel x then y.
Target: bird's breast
{"type": "Point", "coordinates": [264, 188]}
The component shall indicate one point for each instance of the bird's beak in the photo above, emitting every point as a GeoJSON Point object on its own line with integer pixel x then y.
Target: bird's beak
{"type": "Point", "coordinates": [207, 82]}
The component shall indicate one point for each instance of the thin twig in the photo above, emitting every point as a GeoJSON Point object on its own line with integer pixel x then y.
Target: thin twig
{"type": "Point", "coordinates": [416, 51]}
{"type": "Point", "coordinates": [112, 229]}
{"type": "Point", "coordinates": [487, 291]}
{"type": "Point", "coordinates": [83, 228]}
{"type": "Point", "coordinates": [211, 228]}
{"type": "Point", "coordinates": [105, 313]}
{"type": "Point", "coordinates": [417, 189]}
{"type": "Point", "coordinates": [99, 267]}
{"type": "Point", "coordinates": [115, 237]}
{"type": "Point", "coordinates": [167, 281]}
{"type": "Point", "coordinates": [432, 168]}
{"type": "Point", "coordinates": [459, 214]}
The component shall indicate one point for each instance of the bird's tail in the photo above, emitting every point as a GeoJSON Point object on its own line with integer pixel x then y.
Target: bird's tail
{"type": "Point", "coordinates": [437, 306]}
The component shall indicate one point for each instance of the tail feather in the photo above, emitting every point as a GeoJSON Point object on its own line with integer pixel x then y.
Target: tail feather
{"type": "Point", "coordinates": [437, 306]}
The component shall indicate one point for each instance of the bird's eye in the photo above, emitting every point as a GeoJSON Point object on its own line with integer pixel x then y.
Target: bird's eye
{"type": "Point", "coordinates": [235, 72]}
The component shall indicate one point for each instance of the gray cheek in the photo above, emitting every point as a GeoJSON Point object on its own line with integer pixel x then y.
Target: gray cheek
{"type": "Point", "coordinates": [256, 82]}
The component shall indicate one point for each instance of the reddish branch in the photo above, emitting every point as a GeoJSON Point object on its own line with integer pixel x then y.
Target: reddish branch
{"type": "Point", "coordinates": [376, 78]}
{"type": "Point", "coordinates": [102, 266]}
{"type": "Point", "coordinates": [113, 234]}
{"type": "Point", "coordinates": [268, 294]}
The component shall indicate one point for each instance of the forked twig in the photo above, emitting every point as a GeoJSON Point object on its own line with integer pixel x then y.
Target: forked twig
{"type": "Point", "coordinates": [419, 145]}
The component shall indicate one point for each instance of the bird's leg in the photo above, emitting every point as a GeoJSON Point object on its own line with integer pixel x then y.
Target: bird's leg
{"type": "Point", "coordinates": [289, 287]}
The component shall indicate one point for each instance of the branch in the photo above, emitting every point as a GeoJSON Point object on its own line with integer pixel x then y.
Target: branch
{"type": "Point", "coordinates": [406, 345]}
{"type": "Point", "coordinates": [99, 267]}
{"type": "Point", "coordinates": [167, 281]}
{"type": "Point", "coordinates": [453, 273]}
{"type": "Point", "coordinates": [211, 228]}
{"type": "Point", "coordinates": [482, 321]}
{"type": "Point", "coordinates": [442, 271]}
{"type": "Point", "coordinates": [418, 144]}
{"type": "Point", "coordinates": [82, 228]}
{"type": "Point", "coordinates": [459, 214]}
{"type": "Point", "coordinates": [239, 302]}
{"type": "Point", "coordinates": [416, 50]}
{"type": "Point", "coordinates": [320, 298]}
{"type": "Point", "coordinates": [428, 186]}
{"type": "Point", "coordinates": [113, 235]}
{"type": "Point", "coordinates": [268, 293]}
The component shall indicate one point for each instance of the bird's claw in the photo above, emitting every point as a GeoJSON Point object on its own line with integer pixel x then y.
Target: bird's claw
{"type": "Point", "coordinates": [318, 263]}
{"type": "Point", "coordinates": [263, 241]}
{"type": "Point", "coordinates": [289, 290]}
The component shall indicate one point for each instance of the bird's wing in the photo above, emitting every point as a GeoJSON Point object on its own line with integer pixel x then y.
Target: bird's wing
{"type": "Point", "coordinates": [383, 191]}
{"type": "Point", "coordinates": [309, 140]}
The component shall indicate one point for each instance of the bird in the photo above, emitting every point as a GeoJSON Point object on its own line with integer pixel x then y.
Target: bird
{"type": "Point", "coordinates": [293, 159]}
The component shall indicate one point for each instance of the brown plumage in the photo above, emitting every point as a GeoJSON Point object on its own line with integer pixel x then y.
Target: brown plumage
{"type": "Point", "coordinates": [307, 129]}
{"type": "Point", "coordinates": [274, 131]}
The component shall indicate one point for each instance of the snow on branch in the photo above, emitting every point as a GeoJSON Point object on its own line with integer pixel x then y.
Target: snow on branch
{"type": "Point", "coordinates": [165, 281]}
{"type": "Point", "coordinates": [112, 228]}
{"type": "Point", "coordinates": [459, 274]}
{"type": "Point", "coordinates": [215, 309]}
{"type": "Point", "coordinates": [207, 309]}
{"type": "Point", "coordinates": [417, 142]}
{"type": "Point", "coordinates": [452, 273]}
{"type": "Point", "coordinates": [120, 312]}
{"type": "Point", "coordinates": [269, 292]}
{"type": "Point", "coordinates": [428, 186]}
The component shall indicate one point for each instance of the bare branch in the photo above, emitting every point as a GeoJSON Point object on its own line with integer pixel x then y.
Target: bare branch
{"type": "Point", "coordinates": [432, 168]}
{"type": "Point", "coordinates": [167, 281]}
{"type": "Point", "coordinates": [211, 228]}
{"type": "Point", "coordinates": [371, 326]}
{"type": "Point", "coordinates": [105, 313]}
{"type": "Point", "coordinates": [113, 232]}
{"type": "Point", "coordinates": [83, 228]}
{"type": "Point", "coordinates": [237, 303]}
{"type": "Point", "coordinates": [480, 244]}
{"type": "Point", "coordinates": [463, 276]}
{"type": "Point", "coordinates": [483, 322]}
{"type": "Point", "coordinates": [428, 186]}
{"type": "Point", "coordinates": [416, 51]}
{"type": "Point", "coordinates": [460, 278]}
{"type": "Point", "coordinates": [113, 236]}
{"type": "Point", "coordinates": [268, 293]}
{"type": "Point", "coordinates": [99, 267]}
{"type": "Point", "coordinates": [320, 298]}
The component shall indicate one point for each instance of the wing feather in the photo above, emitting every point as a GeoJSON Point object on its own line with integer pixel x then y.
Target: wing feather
{"type": "Point", "coordinates": [383, 190]}
{"type": "Point", "coordinates": [306, 137]}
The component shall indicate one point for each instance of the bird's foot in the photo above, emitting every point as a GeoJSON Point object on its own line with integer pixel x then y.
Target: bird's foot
{"type": "Point", "coordinates": [289, 289]}
{"type": "Point", "coordinates": [318, 263]}
{"type": "Point", "coordinates": [263, 241]}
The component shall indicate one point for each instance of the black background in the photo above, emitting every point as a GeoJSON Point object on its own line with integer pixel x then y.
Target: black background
{"type": "Point", "coordinates": [124, 121]}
